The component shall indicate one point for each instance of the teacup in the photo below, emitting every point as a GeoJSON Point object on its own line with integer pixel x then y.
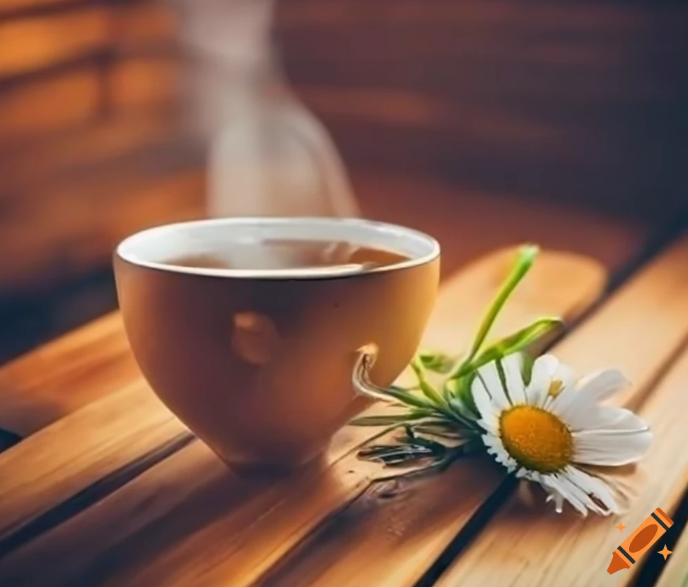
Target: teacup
{"type": "Point", "coordinates": [264, 363]}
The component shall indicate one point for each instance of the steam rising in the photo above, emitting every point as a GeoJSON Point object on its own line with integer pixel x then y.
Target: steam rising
{"type": "Point", "coordinates": [269, 156]}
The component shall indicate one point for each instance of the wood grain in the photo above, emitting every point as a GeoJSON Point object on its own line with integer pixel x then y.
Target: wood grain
{"type": "Point", "coordinates": [143, 82]}
{"type": "Point", "coordinates": [469, 223]}
{"type": "Point", "coordinates": [79, 450]}
{"type": "Point", "coordinates": [238, 539]}
{"type": "Point", "coordinates": [675, 573]}
{"type": "Point", "coordinates": [49, 104]}
{"type": "Point", "coordinates": [73, 244]}
{"type": "Point", "coordinates": [576, 101]}
{"type": "Point", "coordinates": [12, 6]}
{"type": "Point", "coordinates": [145, 25]}
{"type": "Point", "coordinates": [62, 376]}
{"type": "Point", "coordinates": [53, 157]}
{"type": "Point", "coordinates": [32, 43]}
{"type": "Point", "coordinates": [391, 537]}
{"type": "Point", "coordinates": [525, 546]}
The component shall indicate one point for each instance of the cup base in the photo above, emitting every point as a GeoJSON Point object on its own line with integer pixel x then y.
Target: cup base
{"type": "Point", "coordinates": [273, 471]}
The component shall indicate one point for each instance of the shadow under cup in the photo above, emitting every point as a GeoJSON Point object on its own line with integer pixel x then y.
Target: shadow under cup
{"type": "Point", "coordinates": [253, 347]}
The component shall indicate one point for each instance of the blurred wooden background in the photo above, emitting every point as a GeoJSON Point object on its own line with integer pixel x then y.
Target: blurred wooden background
{"type": "Point", "coordinates": [489, 120]}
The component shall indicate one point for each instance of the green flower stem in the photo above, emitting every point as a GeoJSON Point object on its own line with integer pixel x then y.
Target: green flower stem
{"type": "Point", "coordinates": [435, 418]}
{"type": "Point", "coordinates": [438, 401]}
{"type": "Point", "coordinates": [516, 342]}
{"type": "Point", "coordinates": [428, 390]}
{"type": "Point", "coordinates": [524, 262]}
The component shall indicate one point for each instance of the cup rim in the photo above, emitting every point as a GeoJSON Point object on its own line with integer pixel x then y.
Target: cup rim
{"type": "Point", "coordinates": [126, 249]}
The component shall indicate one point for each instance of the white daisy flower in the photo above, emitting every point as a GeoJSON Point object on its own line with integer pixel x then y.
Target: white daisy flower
{"type": "Point", "coordinates": [554, 430]}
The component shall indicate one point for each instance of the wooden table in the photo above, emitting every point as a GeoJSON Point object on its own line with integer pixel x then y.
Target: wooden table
{"type": "Point", "coordinates": [108, 488]}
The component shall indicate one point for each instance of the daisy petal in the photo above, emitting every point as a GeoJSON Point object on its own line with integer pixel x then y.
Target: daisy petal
{"type": "Point", "coordinates": [558, 501]}
{"type": "Point", "coordinates": [610, 447]}
{"type": "Point", "coordinates": [544, 368]}
{"type": "Point", "coordinates": [581, 413]}
{"type": "Point", "coordinates": [566, 375]}
{"type": "Point", "coordinates": [595, 488]}
{"type": "Point", "coordinates": [490, 424]}
{"type": "Point", "coordinates": [577, 488]}
{"type": "Point", "coordinates": [573, 408]}
{"type": "Point", "coordinates": [494, 446]}
{"type": "Point", "coordinates": [623, 485]}
{"type": "Point", "coordinates": [603, 384]}
{"type": "Point", "coordinates": [562, 489]}
{"type": "Point", "coordinates": [482, 400]}
{"type": "Point", "coordinates": [512, 365]}
{"type": "Point", "coordinates": [608, 418]}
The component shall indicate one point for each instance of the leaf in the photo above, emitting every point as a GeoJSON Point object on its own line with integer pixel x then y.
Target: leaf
{"type": "Point", "coordinates": [407, 398]}
{"type": "Point", "coordinates": [437, 422]}
{"type": "Point", "coordinates": [527, 368]}
{"type": "Point", "coordinates": [398, 457]}
{"type": "Point", "coordinates": [524, 262]}
{"type": "Point", "coordinates": [464, 407]}
{"type": "Point", "coordinates": [428, 390]}
{"type": "Point", "coordinates": [431, 393]}
{"type": "Point", "coordinates": [395, 455]}
{"type": "Point", "coordinates": [415, 441]}
{"type": "Point", "coordinates": [514, 343]}
{"type": "Point", "coordinates": [447, 433]}
{"type": "Point", "coordinates": [437, 362]}
{"type": "Point", "coordinates": [389, 419]}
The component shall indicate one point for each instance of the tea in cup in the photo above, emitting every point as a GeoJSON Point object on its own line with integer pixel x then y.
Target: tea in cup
{"type": "Point", "coordinates": [251, 330]}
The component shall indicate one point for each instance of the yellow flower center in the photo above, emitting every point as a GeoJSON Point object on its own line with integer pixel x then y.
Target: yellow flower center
{"type": "Point", "coordinates": [536, 439]}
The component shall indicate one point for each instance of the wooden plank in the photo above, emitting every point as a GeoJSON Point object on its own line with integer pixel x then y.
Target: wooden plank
{"type": "Point", "coordinates": [12, 6]}
{"type": "Point", "coordinates": [567, 35]}
{"type": "Point", "coordinates": [308, 14]}
{"type": "Point", "coordinates": [144, 25]}
{"type": "Point", "coordinates": [140, 82]}
{"type": "Point", "coordinates": [538, 97]}
{"type": "Point", "coordinates": [566, 50]}
{"type": "Point", "coordinates": [173, 531]}
{"type": "Point", "coordinates": [64, 246]}
{"type": "Point", "coordinates": [62, 376]}
{"type": "Point", "coordinates": [32, 43]}
{"type": "Point", "coordinates": [675, 573]}
{"type": "Point", "coordinates": [524, 545]}
{"type": "Point", "coordinates": [78, 451]}
{"type": "Point", "coordinates": [49, 159]}
{"type": "Point", "coordinates": [49, 104]}
{"type": "Point", "coordinates": [470, 223]}
{"type": "Point", "coordinates": [392, 534]}
{"type": "Point", "coordinates": [551, 169]}
{"type": "Point", "coordinates": [147, 510]}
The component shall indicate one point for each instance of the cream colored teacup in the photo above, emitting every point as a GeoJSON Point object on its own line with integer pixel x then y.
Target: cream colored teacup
{"type": "Point", "coordinates": [251, 329]}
